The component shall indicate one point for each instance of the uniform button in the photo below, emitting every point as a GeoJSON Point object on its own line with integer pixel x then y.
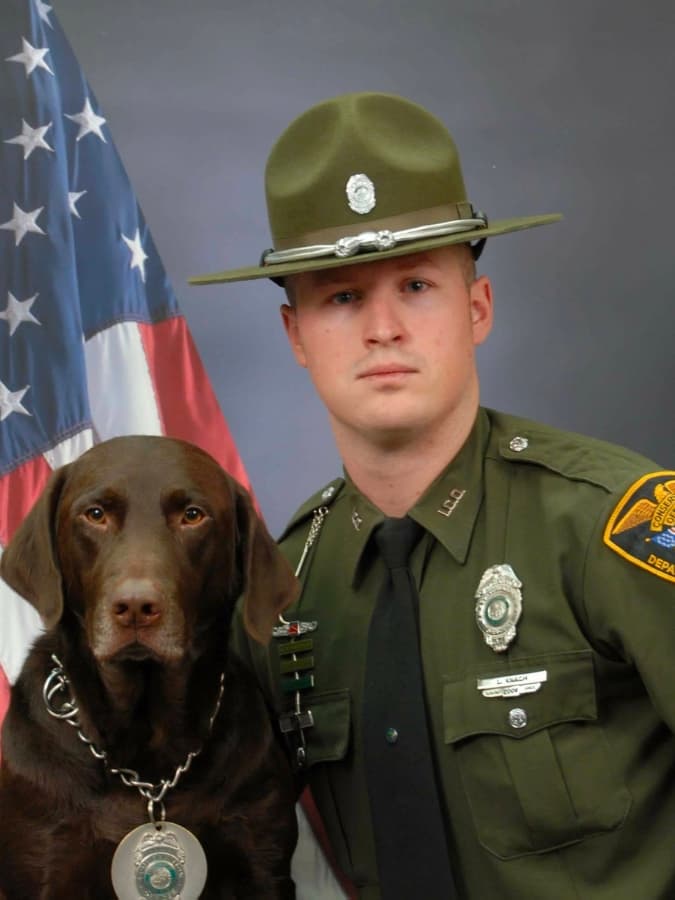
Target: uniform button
{"type": "Point", "coordinates": [328, 493]}
{"type": "Point", "coordinates": [391, 735]}
{"type": "Point", "coordinates": [517, 718]}
{"type": "Point", "coordinates": [518, 443]}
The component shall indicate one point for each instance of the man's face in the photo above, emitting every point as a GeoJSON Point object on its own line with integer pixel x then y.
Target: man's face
{"type": "Point", "coordinates": [390, 344]}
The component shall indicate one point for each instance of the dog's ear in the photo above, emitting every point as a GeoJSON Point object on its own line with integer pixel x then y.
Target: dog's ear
{"type": "Point", "coordinates": [29, 563]}
{"type": "Point", "coordinates": [267, 580]}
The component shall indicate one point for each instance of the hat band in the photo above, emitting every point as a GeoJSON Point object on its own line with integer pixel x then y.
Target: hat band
{"type": "Point", "coordinates": [384, 239]}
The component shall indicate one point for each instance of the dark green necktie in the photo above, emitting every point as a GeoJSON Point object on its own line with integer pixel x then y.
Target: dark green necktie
{"type": "Point", "coordinates": [408, 823]}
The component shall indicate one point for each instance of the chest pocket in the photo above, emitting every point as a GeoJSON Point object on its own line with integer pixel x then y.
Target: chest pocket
{"type": "Point", "coordinates": [536, 768]}
{"type": "Point", "coordinates": [328, 739]}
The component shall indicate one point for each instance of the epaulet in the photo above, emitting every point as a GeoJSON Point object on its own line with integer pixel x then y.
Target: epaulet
{"type": "Point", "coordinates": [570, 455]}
{"type": "Point", "coordinates": [323, 497]}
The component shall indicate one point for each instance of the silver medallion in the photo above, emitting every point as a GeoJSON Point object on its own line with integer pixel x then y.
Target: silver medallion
{"type": "Point", "coordinates": [159, 861]}
{"type": "Point", "coordinates": [360, 194]}
{"type": "Point", "coordinates": [499, 604]}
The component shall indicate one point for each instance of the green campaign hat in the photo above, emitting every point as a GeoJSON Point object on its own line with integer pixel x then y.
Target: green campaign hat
{"type": "Point", "coordinates": [361, 177]}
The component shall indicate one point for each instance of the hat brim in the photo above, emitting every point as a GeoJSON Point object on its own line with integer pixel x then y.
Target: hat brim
{"type": "Point", "coordinates": [329, 262]}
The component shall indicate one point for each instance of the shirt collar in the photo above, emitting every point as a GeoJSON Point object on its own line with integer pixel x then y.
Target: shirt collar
{"type": "Point", "coordinates": [447, 510]}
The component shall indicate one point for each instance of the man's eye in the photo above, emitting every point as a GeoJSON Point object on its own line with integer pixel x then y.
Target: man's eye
{"type": "Point", "coordinates": [415, 285]}
{"type": "Point", "coordinates": [342, 298]}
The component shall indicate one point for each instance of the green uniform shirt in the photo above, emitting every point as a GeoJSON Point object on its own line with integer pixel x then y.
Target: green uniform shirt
{"type": "Point", "coordinates": [573, 796]}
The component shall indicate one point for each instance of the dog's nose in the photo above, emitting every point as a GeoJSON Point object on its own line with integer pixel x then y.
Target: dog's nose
{"type": "Point", "coordinates": [137, 604]}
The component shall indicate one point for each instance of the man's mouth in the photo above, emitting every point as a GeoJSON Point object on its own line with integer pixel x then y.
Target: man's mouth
{"type": "Point", "coordinates": [387, 370]}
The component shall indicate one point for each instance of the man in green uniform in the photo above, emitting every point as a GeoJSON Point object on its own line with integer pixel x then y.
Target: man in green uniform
{"type": "Point", "coordinates": [545, 570]}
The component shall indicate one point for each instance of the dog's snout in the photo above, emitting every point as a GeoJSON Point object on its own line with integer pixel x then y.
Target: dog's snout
{"type": "Point", "coordinates": [137, 604]}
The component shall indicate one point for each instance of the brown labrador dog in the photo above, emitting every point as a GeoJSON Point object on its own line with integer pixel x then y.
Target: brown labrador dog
{"type": "Point", "coordinates": [134, 556]}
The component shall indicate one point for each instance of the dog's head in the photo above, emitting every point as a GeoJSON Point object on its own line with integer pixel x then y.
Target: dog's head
{"type": "Point", "coordinates": [147, 541]}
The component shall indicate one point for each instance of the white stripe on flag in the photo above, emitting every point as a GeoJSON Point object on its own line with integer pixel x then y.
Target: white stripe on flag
{"type": "Point", "coordinates": [68, 451]}
{"type": "Point", "coordinates": [21, 624]}
{"type": "Point", "coordinates": [121, 392]}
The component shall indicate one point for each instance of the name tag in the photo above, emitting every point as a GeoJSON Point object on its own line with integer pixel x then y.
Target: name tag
{"type": "Point", "coordinates": [512, 685]}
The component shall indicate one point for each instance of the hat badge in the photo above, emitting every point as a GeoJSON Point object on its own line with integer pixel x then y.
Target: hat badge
{"type": "Point", "coordinates": [360, 194]}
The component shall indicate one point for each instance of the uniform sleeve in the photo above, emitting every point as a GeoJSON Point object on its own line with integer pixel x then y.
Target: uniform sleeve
{"type": "Point", "coordinates": [629, 592]}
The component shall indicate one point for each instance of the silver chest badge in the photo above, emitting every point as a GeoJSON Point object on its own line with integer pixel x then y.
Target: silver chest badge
{"type": "Point", "coordinates": [499, 604]}
{"type": "Point", "coordinates": [360, 194]}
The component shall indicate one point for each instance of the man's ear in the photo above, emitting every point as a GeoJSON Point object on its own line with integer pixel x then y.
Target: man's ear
{"type": "Point", "coordinates": [268, 582]}
{"type": "Point", "coordinates": [480, 293]}
{"type": "Point", "coordinates": [289, 316]}
{"type": "Point", "coordinates": [29, 563]}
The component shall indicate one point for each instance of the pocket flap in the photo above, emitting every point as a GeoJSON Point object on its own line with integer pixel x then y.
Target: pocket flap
{"type": "Point", "coordinates": [566, 694]}
{"type": "Point", "coordinates": [328, 738]}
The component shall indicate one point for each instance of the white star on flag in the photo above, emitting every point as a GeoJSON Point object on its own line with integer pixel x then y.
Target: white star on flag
{"type": "Point", "coordinates": [22, 223]}
{"type": "Point", "coordinates": [138, 256]}
{"type": "Point", "coordinates": [18, 311]}
{"type": "Point", "coordinates": [10, 402]}
{"type": "Point", "coordinates": [73, 197]}
{"type": "Point", "coordinates": [31, 57]}
{"type": "Point", "coordinates": [31, 138]}
{"type": "Point", "coordinates": [43, 10]}
{"type": "Point", "coordinates": [89, 122]}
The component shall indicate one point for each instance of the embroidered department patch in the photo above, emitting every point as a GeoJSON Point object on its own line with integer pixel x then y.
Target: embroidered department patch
{"type": "Point", "coordinates": [642, 526]}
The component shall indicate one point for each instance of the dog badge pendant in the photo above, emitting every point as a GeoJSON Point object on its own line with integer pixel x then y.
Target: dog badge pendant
{"type": "Point", "coordinates": [499, 604]}
{"type": "Point", "coordinates": [161, 860]}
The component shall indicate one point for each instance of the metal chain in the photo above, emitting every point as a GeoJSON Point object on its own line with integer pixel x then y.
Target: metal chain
{"type": "Point", "coordinates": [319, 515]}
{"type": "Point", "coordinates": [57, 681]}
{"type": "Point", "coordinates": [317, 521]}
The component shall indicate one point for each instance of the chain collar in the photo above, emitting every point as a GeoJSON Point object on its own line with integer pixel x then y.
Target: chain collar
{"type": "Point", "coordinates": [57, 682]}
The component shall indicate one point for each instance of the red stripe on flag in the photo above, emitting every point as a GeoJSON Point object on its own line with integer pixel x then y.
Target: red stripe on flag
{"type": "Point", "coordinates": [19, 490]}
{"type": "Point", "coordinates": [187, 405]}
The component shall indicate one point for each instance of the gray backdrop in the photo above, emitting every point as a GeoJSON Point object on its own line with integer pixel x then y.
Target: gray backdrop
{"type": "Point", "coordinates": [557, 105]}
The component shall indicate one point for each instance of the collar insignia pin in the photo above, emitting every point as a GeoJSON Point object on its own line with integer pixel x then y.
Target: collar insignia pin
{"type": "Point", "coordinates": [360, 194]}
{"type": "Point", "coordinates": [499, 604]}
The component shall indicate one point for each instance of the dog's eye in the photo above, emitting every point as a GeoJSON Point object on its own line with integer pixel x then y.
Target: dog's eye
{"type": "Point", "coordinates": [95, 514]}
{"type": "Point", "coordinates": [192, 515]}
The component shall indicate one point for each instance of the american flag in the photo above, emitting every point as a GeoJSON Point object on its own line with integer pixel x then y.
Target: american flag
{"type": "Point", "coordinates": [92, 342]}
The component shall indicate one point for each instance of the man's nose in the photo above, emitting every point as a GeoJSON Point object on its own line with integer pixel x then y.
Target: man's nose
{"type": "Point", "coordinates": [383, 318]}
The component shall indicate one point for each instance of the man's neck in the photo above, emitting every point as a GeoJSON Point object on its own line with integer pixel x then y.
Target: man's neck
{"type": "Point", "coordinates": [393, 475]}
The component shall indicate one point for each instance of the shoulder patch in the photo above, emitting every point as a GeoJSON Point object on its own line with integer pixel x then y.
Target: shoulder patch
{"type": "Point", "coordinates": [641, 527]}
